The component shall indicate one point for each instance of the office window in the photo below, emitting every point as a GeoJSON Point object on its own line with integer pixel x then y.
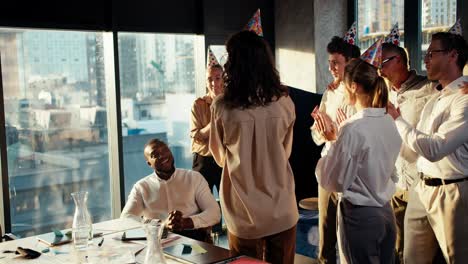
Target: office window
{"type": "Point", "coordinates": [436, 20]}
{"type": "Point", "coordinates": [56, 127]}
{"type": "Point", "coordinates": [159, 76]}
{"type": "Point", "coordinates": [376, 18]}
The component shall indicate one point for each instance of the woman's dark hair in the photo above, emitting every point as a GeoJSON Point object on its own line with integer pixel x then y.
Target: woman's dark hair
{"type": "Point", "coordinates": [250, 76]}
{"type": "Point", "coordinates": [372, 83]}
{"type": "Point", "coordinates": [348, 51]}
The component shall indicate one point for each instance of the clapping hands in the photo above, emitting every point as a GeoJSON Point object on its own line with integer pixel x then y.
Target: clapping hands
{"type": "Point", "coordinates": [177, 222]}
{"type": "Point", "coordinates": [324, 124]}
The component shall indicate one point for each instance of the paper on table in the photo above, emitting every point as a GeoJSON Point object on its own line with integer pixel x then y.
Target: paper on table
{"type": "Point", "coordinates": [197, 248]}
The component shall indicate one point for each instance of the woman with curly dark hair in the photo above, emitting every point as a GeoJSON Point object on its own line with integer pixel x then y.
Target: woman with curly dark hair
{"type": "Point", "coordinates": [251, 138]}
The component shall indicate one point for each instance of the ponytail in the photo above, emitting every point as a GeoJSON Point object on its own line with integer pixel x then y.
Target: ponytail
{"type": "Point", "coordinates": [375, 92]}
{"type": "Point", "coordinates": [380, 95]}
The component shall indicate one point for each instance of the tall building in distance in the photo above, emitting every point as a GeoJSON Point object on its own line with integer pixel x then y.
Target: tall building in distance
{"type": "Point", "coordinates": [439, 13]}
{"type": "Point", "coordinates": [376, 18]}
{"type": "Point", "coordinates": [49, 53]}
{"type": "Point", "coordinates": [154, 64]}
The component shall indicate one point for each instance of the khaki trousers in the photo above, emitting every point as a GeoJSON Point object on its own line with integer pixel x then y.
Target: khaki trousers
{"type": "Point", "coordinates": [327, 203]}
{"type": "Point", "coordinates": [399, 203]}
{"type": "Point", "coordinates": [437, 216]}
{"type": "Point", "coordinates": [276, 249]}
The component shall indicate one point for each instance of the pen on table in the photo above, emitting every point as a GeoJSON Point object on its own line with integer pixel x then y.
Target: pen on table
{"type": "Point", "coordinates": [100, 243]}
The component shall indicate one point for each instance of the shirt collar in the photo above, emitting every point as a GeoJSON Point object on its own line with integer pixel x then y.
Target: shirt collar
{"type": "Point", "coordinates": [370, 112]}
{"type": "Point", "coordinates": [167, 181]}
{"type": "Point", "coordinates": [455, 85]}
{"type": "Point", "coordinates": [408, 83]}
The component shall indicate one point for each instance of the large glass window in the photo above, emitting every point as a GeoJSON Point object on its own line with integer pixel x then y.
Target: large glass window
{"type": "Point", "coordinates": [56, 126]}
{"type": "Point", "coordinates": [159, 76]}
{"type": "Point", "coordinates": [437, 16]}
{"type": "Point", "coordinates": [376, 18]}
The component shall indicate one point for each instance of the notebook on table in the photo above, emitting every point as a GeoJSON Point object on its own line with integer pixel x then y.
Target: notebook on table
{"type": "Point", "coordinates": [192, 251]}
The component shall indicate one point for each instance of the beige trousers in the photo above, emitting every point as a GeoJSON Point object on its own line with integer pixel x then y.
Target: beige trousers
{"type": "Point", "coordinates": [399, 203]}
{"type": "Point", "coordinates": [437, 216]}
{"type": "Point", "coordinates": [327, 204]}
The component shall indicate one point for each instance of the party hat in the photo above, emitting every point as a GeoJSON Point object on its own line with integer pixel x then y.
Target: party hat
{"type": "Point", "coordinates": [394, 36]}
{"type": "Point", "coordinates": [211, 59]}
{"type": "Point", "coordinates": [255, 24]}
{"type": "Point", "coordinates": [456, 28]}
{"type": "Point", "coordinates": [350, 36]}
{"type": "Point", "coordinates": [373, 55]}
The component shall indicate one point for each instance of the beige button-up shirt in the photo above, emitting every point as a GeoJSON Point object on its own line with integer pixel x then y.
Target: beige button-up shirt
{"type": "Point", "coordinates": [200, 125]}
{"type": "Point", "coordinates": [410, 98]}
{"type": "Point", "coordinates": [441, 136]}
{"type": "Point", "coordinates": [257, 185]}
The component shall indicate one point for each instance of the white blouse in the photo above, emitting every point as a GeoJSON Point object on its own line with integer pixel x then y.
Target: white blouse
{"type": "Point", "coordinates": [186, 191]}
{"type": "Point", "coordinates": [361, 162]}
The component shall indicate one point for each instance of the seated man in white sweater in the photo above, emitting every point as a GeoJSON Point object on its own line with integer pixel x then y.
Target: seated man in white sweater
{"type": "Point", "coordinates": [180, 195]}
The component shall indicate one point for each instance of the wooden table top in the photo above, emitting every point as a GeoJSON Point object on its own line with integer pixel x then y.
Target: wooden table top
{"type": "Point", "coordinates": [309, 203]}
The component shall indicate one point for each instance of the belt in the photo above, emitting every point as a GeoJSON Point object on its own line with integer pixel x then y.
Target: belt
{"type": "Point", "coordinates": [430, 181]}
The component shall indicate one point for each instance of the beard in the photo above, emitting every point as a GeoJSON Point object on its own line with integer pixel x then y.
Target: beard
{"type": "Point", "coordinates": [166, 173]}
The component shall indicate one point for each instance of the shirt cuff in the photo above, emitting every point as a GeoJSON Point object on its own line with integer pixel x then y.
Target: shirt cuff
{"type": "Point", "coordinates": [316, 136]}
{"type": "Point", "coordinates": [196, 222]}
{"type": "Point", "coordinates": [402, 126]}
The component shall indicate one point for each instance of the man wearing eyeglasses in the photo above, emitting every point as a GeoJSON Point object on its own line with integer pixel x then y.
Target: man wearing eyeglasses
{"type": "Point", "coordinates": [410, 92]}
{"type": "Point", "coordinates": [181, 196]}
{"type": "Point", "coordinates": [437, 211]}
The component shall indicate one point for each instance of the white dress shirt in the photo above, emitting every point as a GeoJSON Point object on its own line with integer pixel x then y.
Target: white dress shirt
{"type": "Point", "coordinates": [361, 162]}
{"type": "Point", "coordinates": [332, 100]}
{"type": "Point", "coordinates": [186, 191]}
{"type": "Point", "coordinates": [441, 136]}
{"type": "Point", "coordinates": [410, 98]}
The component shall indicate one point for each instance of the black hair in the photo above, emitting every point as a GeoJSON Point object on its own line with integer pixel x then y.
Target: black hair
{"type": "Point", "coordinates": [250, 76]}
{"type": "Point", "coordinates": [338, 45]}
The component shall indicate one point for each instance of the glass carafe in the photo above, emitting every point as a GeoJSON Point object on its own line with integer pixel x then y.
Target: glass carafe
{"type": "Point", "coordinates": [154, 253]}
{"type": "Point", "coordinates": [82, 228]}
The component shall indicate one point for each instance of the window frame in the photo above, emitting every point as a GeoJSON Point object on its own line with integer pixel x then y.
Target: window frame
{"type": "Point", "coordinates": [114, 122]}
{"type": "Point", "coordinates": [413, 27]}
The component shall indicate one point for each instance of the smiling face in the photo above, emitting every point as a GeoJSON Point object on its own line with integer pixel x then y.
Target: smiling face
{"type": "Point", "coordinates": [436, 60]}
{"type": "Point", "coordinates": [159, 157]}
{"type": "Point", "coordinates": [390, 67]}
{"type": "Point", "coordinates": [336, 65]}
{"type": "Point", "coordinates": [214, 81]}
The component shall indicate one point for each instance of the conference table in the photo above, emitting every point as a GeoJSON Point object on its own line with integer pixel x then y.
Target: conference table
{"type": "Point", "coordinates": [112, 249]}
